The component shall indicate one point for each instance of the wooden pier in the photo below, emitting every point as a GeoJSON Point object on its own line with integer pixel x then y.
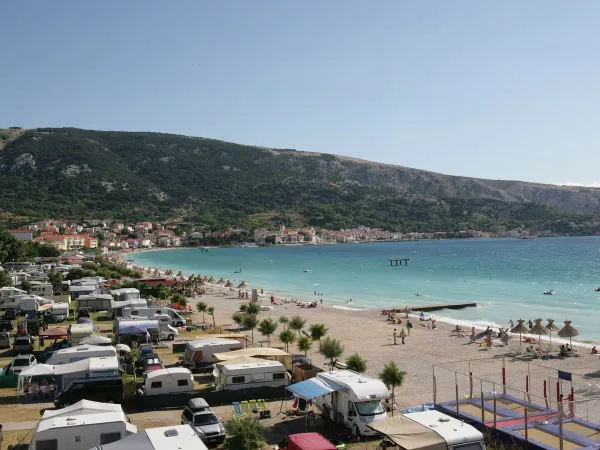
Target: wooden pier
{"type": "Point", "coordinates": [399, 261]}
{"type": "Point", "coordinates": [429, 308]}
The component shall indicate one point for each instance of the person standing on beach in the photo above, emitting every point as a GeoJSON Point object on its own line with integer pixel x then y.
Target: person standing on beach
{"type": "Point", "coordinates": [395, 337]}
{"type": "Point", "coordinates": [409, 326]}
{"type": "Point", "coordinates": [511, 324]}
{"type": "Point", "coordinates": [402, 335]}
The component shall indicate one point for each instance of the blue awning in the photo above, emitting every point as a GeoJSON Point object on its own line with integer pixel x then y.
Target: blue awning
{"type": "Point", "coordinates": [313, 388]}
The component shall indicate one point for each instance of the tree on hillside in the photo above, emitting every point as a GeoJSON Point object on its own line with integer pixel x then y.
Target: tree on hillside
{"type": "Point", "coordinates": [304, 344]}
{"type": "Point", "coordinates": [26, 286]}
{"type": "Point", "coordinates": [211, 310]}
{"type": "Point", "coordinates": [5, 279]}
{"type": "Point", "coordinates": [356, 363]}
{"type": "Point", "coordinates": [253, 308]}
{"type": "Point", "coordinates": [287, 337]}
{"type": "Point", "coordinates": [238, 318]}
{"type": "Point", "coordinates": [10, 248]}
{"type": "Point", "coordinates": [297, 323]}
{"type": "Point", "coordinates": [244, 434]}
{"type": "Point", "coordinates": [331, 349]}
{"type": "Point", "coordinates": [250, 322]}
{"type": "Point", "coordinates": [202, 307]}
{"type": "Point", "coordinates": [392, 376]}
{"type": "Point", "coordinates": [267, 328]}
{"type": "Point", "coordinates": [55, 279]}
{"type": "Point", "coordinates": [284, 321]}
{"type": "Point", "coordinates": [317, 331]}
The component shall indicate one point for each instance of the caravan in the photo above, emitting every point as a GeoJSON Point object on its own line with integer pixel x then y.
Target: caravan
{"type": "Point", "coordinates": [94, 302]}
{"type": "Point", "coordinates": [248, 372]}
{"type": "Point", "coordinates": [116, 307]}
{"type": "Point", "coordinates": [121, 295]}
{"type": "Point", "coordinates": [174, 380]}
{"type": "Point", "coordinates": [74, 354]}
{"type": "Point", "coordinates": [199, 353]}
{"type": "Point", "coordinates": [57, 313]}
{"type": "Point", "coordinates": [80, 331]}
{"type": "Point", "coordinates": [177, 320]}
{"type": "Point", "coordinates": [43, 289]}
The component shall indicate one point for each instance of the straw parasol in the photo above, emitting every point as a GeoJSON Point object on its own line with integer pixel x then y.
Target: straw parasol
{"type": "Point", "coordinates": [551, 327]}
{"type": "Point", "coordinates": [520, 328]}
{"type": "Point", "coordinates": [568, 331]}
{"type": "Point", "coordinates": [221, 281]}
{"type": "Point", "coordinates": [229, 284]}
{"type": "Point", "coordinates": [205, 279]}
{"type": "Point", "coordinates": [211, 279]}
{"type": "Point", "coordinates": [539, 329]}
{"type": "Point", "coordinates": [242, 285]}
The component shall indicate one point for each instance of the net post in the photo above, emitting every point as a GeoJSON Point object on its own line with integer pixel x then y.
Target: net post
{"type": "Point", "coordinates": [560, 425]}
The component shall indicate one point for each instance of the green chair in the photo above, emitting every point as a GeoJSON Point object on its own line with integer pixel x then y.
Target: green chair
{"type": "Point", "coordinates": [245, 407]}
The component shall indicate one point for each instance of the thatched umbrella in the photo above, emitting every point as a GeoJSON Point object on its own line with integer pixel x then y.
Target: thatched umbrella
{"type": "Point", "coordinates": [551, 327]}
{"type": "Point", "coordinates": [205, 279]}
{"type": "Point", "coordinates": [229, 284]}
{"type": "Point", "coordinates": [211, 279]}
{"type": "Point", "coordinates": [539, 329]}
{"type": "Point", "coordinates": [520, 328]}
{"type": "Point", "coordinates": [568, 331]}
{"type": "Point", "coordinates": [242, 285]}
{"type": "Point", "coordinates": [221, 281]}
{"type": "Point", "coordinates": [179, 274]}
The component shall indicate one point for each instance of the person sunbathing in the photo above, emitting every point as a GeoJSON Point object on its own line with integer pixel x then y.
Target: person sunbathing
{"type": "Point", "coordinates": [594, 350]}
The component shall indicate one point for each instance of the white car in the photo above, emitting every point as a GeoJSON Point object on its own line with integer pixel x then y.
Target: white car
{"type": "Point", "coordinates": [22, 362]}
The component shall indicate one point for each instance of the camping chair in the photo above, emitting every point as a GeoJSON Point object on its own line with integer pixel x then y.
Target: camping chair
{"type": "Point", "coordinates": [261, 404]}
{"type": "Point", "coordinates": [237, 410]}
{"type": "Point", "coordinates": [245, 407]}
{"type": "Point", "coordinates": [253, 404]}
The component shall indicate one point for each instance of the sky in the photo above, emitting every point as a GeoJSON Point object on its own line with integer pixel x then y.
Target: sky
{"type": "Point", "coordinates": [501, 90]}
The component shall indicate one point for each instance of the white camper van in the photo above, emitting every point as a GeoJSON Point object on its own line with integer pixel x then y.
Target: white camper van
{"type": "Point", "coordinates": [174, 380]}
{"type": "Point", "coordinates": [199, 353]}
{"type": "Point", "coordinates": [116, 307]}
{"type": "Point", "coordinates": [80, 331]}
{"type": "Point", "coordinates": [43, 289]}
{"type": "Point", "coordinates": [422, 430]}
{"type": "Point", "coordinates": [355, 401]}
{"type": "Point", "coordinates": [57, 313]}
{"type": "Point", "coordinates": [73, 354]}
{"type": "Point", "coordinates": [176, 319]}
{"type": "Point", "coordinates": [81, 426]}
{"type": "Point", "coordinates": [235, 374]}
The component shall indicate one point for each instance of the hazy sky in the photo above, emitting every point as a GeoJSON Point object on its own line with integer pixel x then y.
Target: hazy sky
{"type": "Point", "coordinates": [505, 89]}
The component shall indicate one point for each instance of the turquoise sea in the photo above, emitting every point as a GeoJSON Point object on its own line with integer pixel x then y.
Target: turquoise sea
{"type": "Point", "coordinates": [506, 277]}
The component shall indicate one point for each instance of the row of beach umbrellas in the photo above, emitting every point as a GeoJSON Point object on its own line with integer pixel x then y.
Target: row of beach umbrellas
{"type": "Point", "coordinates": [567, 331]}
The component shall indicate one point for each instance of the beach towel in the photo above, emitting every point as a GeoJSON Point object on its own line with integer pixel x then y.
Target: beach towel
{"type": "Point", "coordinates": [482, 334]}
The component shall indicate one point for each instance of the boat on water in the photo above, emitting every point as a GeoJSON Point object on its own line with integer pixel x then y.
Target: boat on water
{"type": "Point", "coordinates": [239, 271]}
{"type": "Point", "coordinates": [597, 289]}
{"type": "Point", "coordinates": [550, 292]}
{"type": "Point", "coordinates": [307, 270]}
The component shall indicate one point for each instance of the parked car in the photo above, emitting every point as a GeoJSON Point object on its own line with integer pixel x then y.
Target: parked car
{"type": "Point", "coordinates": [23, 344]}
{"type": "Point", "coordinates": [22, 362]}
{"type": "Point", "coordinates": [107, 390]}
{"type": "Point", "coordinates": [204, 422]}
{"type": "Point", "coordinates": [152, 363]}
{"type": "Point", "coordinates": [9, 314]}
{"type": "Point", "coordinates": [6, 339]}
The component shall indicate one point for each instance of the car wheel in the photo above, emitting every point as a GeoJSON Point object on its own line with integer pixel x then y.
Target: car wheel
{"type": "Point", "coordinates": [357, 432]}
{"type": "Point", "coordinates": [170, 337]}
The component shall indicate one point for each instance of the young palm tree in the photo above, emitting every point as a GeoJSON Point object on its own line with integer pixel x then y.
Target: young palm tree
{"type": "Point", "coordinates": [297, 323]}
{"type": "Point", "coordinates": [317, 331]}
{"type": "Point", "coordinates": [392, 376]}
{"type": "Point", "coordinates": [250, 322]}
{"type": "Point", "coordinates": [284, 321]}
{"type": "Point", "coordinates": [267, 328]}
{"type": "Point", "coordinates": [304, 344]}
{"type": "Point", "coordinates": [243, 307]}
{"type": "Point", "coordinates": [238, 318]}
{"type": "Point", "coordinates": [287, 337]}
{"type": "Point", "coordinates": [211, 310]}
{"type": "Point", "coordinates": [331, 349]}
{"type": "Point", "coordinates": [253, 308]}
{"type": "Point", "coordinates": [356, 363]}
{"type": "Point", "coordinates": [201, 307]}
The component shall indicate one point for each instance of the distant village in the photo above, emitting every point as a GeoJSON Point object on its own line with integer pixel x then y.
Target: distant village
{"type": "Point", "coordinates": [110, 235]}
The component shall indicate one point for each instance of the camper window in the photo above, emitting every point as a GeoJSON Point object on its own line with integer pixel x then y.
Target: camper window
{"type": "Point", "coordinates": [182, 382]}
{"type": "Point", "coordinates": [47, 444]}
{"type": "Point", "coordinates": [156, 385]}
{"type": "Point", "coordinates": [279, 376]}
{"type": "Point", "coordinates": [370, 408]}
{"type": "Point", "coordinates": [236, 380]}
{"type": "Point", "coordinates": [107, 438]}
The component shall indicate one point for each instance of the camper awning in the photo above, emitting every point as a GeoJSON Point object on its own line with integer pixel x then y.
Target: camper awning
{"type": "Point", "coordinates": [408, 434]}
{"type": "Point", "coordinates": [54, 332]}
{"type": "Point", "coordinates": [313, 388]}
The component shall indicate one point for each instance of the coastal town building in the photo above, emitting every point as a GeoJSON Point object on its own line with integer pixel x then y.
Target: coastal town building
{"type": "Point", "coordinates": [21, 235]}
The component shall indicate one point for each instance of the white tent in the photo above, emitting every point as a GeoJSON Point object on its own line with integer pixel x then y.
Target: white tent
{"type": "Point", "coordinates": [86, 368]}
{"type": "Point", "coordinates": [94, 339]}
{"type": "Point", "coordinates": [33, 371]}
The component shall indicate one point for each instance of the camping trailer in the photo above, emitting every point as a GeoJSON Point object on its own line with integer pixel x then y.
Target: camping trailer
{"type": "Point", "coordinates": [352, 399]}
{"type": "Point", "coordinates": [80, 331]}
{"type": "Point", "coordinates": [247, 372]}
{"type": "Point", "coordinates": [74, 354]}
{"type": "Point", "coordinates": [57, 313]}
{"type": "Point", "coordinates": [174, 380]}
{"type": "Point", "coordinates": [117, 307]}
{"type": "Point", "coordinates": [121, 295]}
{"type": "Point", "coordinates": [177, 320]}
{"type": "Point", "coordinates": [143, 324]}
{"type": "Point", "coordinates": [81, 426]}
{"type": "Point", "coordinates": [181, 437]}
{"type": "Point", "coordinates": [95, 367]}
{"type": "Point", "coordinates": [94, 302]}
{"type": "Point", "coordinates": [199, 353]}
{"type": "Point", "coordinates": [268, 353]}
{"type": "Point", "coordinates": [43, 289]}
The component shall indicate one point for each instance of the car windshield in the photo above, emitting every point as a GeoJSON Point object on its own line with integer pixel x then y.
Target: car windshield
{"type": "Point", "coordinates": [22, 342]}
{"type": "Point", "coordinates": [205, 419]}
{"type": "Point", "coordinates": [21, 362]}
{"type": "Point", "coordinates": [152, 361]}
{"type": "Point", "coordinates": [370, 408]}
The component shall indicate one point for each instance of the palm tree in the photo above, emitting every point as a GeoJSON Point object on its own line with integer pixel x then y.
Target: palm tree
{"type": "Point", "coordinates": [317, 331]}
{"type": "Point", "coordinates": [243, 307]}
{"type": "Point", "coordinates": [253, 308]}
{"type": "Point", "coordinates": [250, 322]}
{"type": "Point", "coordinates": [331, 349]}
{"type": "Point", "coordinates": [392, 376]}
{"type": "Point", "coordinates": [201, 307]}
{"type": "Point", "coordinates": [284, 321]}
{"type": "Point", "coordinates": [211, 311]}
{"type": "Point", "coordinates": [304, 344]}
{"type": "Point", "coordinates": [297, 323]}
{"type": "Point", "coordinates": [356, 363]}
{"type": "Point", "coordinates": [238, 318]}
{"type": "Point", "coordinates": [287, 337]}
{"type": "Point", "coordinates": [267, 328]}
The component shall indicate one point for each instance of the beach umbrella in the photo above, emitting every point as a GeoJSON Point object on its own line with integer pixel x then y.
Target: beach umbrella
{"type": "Point", "coordinates": [242, 285]}
{"type": "Point", "coordinates": [539, 329]}
{"type": "Point", "coordinates": [520, 328]}
{"type": "Point", "coordinates": [551, 327]}
{"type": "Point", "coordinates": [211, 280]}
{"type": "Point", "coordinates": [568, 331]}
{"type": "Point", "coordinates": [221, 281]}
{"type": "Point", "coordinates": [205, 279]}
{"type": "Point", "coordinates": [229, 284]}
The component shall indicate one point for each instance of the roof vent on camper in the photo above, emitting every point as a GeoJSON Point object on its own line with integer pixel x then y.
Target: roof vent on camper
{"type": "Point", "coordinates": [172, 432]}
{"type": "Point", "coordinates": [444, 419]}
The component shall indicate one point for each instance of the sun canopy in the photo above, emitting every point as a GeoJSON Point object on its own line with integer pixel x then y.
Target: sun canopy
{"type": "Point", "coordinates": [38, 369]}
{"type": "Point", "coordinates": [313, 388]}
{"type": "Point", "coordinates": [94, 339]}
{"type": "Point", "coordinates": [252, 352]}
{"type": "Point", "coordinates": [408, 434]}
{"type": "Point", "coordinates": [54, 332]}
{"type": "Point", "coordinates": [133, 331]}
{"type": "Point", "coordinates": [240, 360]}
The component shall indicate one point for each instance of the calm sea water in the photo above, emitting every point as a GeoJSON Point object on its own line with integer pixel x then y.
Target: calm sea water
{"type": "Point", "coordinates": [506, 277]}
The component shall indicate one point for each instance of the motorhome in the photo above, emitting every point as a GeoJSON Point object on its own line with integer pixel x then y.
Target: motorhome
{"type": "Point", "coordinates": [57, 313]}
{"type": "Point", "coordinates": [80, 331]}
{"type": "Point", "coordinates": [121, 295]}
{"type": "Point", "coordinates": [43, 289]}
{"type": "Point", "coordinates": [81, 426]}
{"type": "Point", "coordinates": [161, 323]}
{"type": "Point", "coordinates": [174, 380]}
{"type": "Point", "coordinates": [181, 437]}
{"type": "Point", "coordinates": [94, 302]}
{"type": "Point", "coordinates": [116, 308]}
{"type": "Point", "coordinates": [247, 372]}
{"type": "Point", "coordinates": [74, 354]}
{"type": "Point", "coordinates": [9, 291]}
{"type": "Point", "coordinates": [176, 319]}
{"type": "Point", "coordinates": [353, 399]}
{"type": "Point", "coordinates": [424, 430]}
{"type": "Point", "coordinates": [198, 353]}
